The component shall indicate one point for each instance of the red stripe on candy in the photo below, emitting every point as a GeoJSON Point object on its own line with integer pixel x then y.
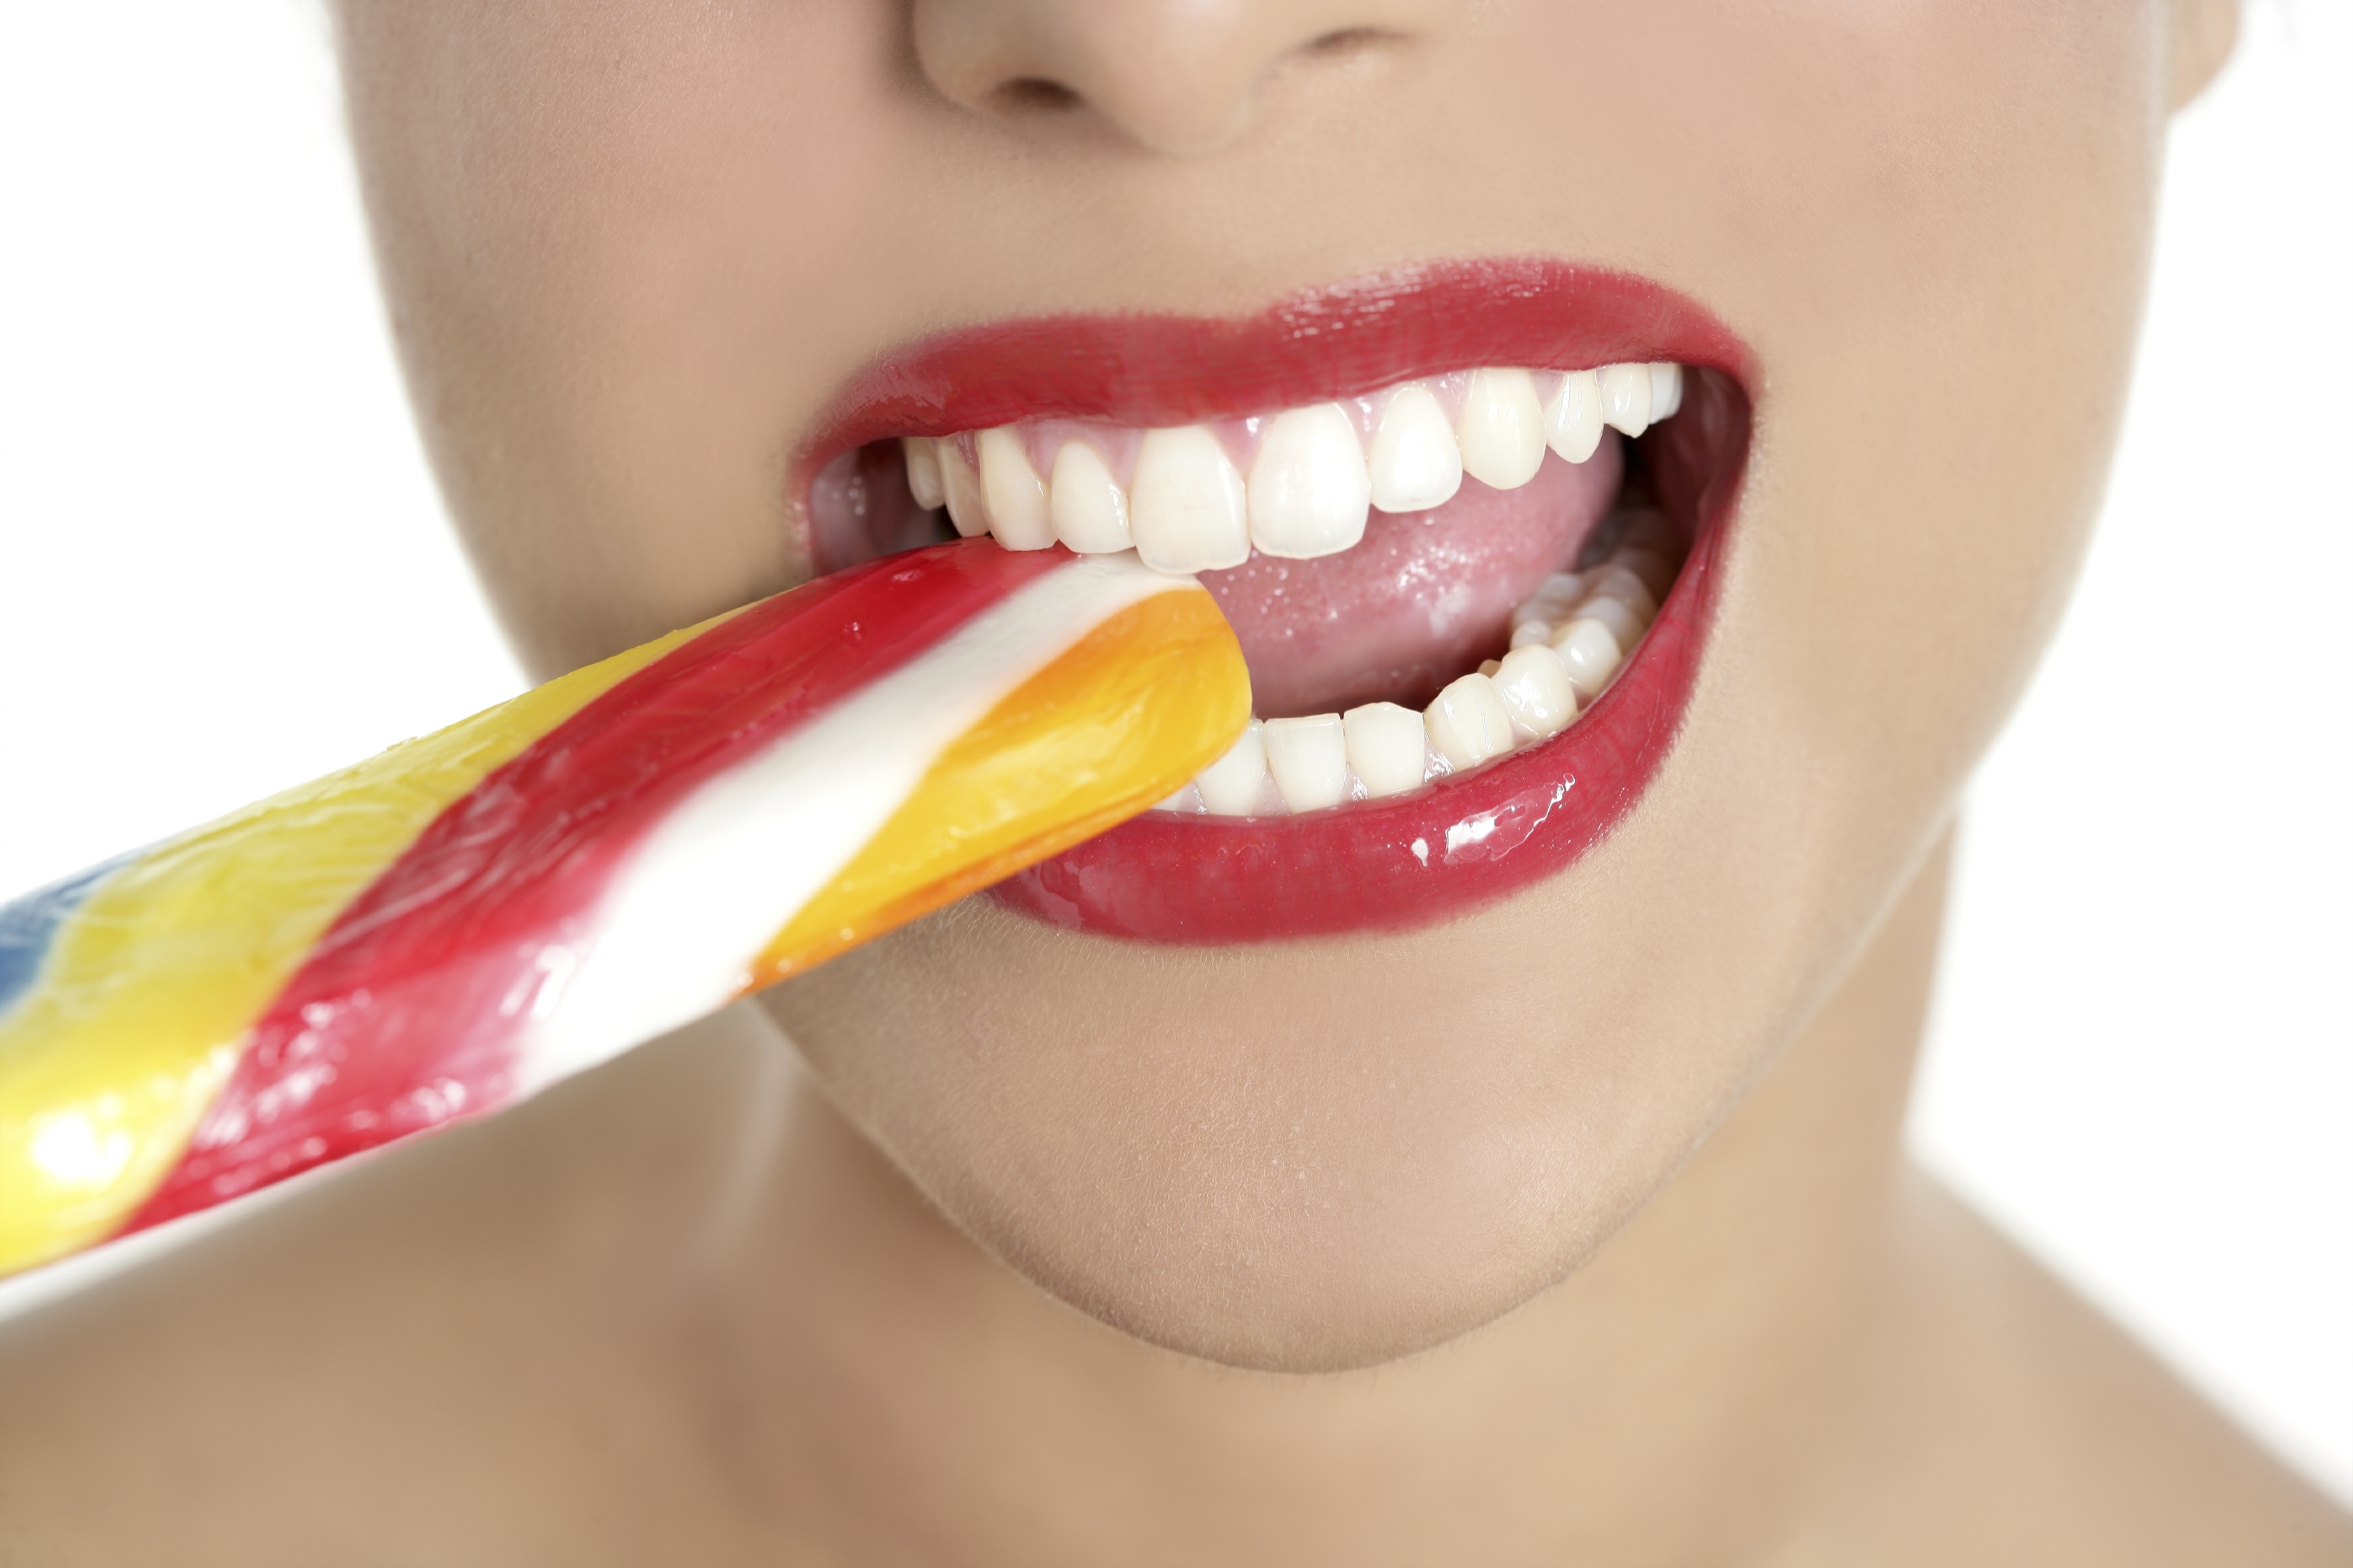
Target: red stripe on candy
{"type": "Point", "coordinates": [406, 1014]}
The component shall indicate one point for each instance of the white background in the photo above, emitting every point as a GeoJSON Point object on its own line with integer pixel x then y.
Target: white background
{"type": "Point", "coordinates": [223, 569]}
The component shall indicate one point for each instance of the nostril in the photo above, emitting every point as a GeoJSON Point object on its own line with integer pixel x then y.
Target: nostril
{"type": "Point", "coordinates": [1035, 93]}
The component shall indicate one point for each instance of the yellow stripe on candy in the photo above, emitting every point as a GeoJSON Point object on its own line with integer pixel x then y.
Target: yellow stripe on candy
{"type": "Point", "coordinates": [1111, 726]}
{"type": "Point", "coordinates": [151, 986]}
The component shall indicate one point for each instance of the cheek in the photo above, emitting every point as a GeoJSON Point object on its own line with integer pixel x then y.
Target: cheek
{"type": "Point", "coordinates": [1944, 400]}
{"type": "Point", "coordinates": [615, 248]}
{"type": "Point", "coordinates": [1931, 222]}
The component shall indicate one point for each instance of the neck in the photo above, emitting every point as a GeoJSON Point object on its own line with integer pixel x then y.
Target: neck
{"type": "Point", "coordinates": [895, 1393]}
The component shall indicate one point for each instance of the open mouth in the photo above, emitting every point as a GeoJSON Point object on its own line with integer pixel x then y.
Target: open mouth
{"type": "Point", "coordinates": [1463, 521]}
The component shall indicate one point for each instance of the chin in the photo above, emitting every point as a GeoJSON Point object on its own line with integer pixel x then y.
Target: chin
{"type": "Point", "coordinates": [1273, 1160]}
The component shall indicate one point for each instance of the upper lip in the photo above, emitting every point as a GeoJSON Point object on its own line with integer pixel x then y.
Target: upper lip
{"type": "Point", "coordinates": [1150, 369]}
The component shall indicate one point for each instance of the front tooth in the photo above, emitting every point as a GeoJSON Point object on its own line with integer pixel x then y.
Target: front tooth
{"type": "Point", "coordinates": [1592, 653]}
{"type": "Point", "coordinates": [1469, 723]}
{"type": "Point", "coordinates": [1230, 785]}
{"type": "Point", "coordinates": [1573, 417]}
{"type": "Point", "coordinates": [1384, 745]}
{"type": "Point", "coordinates": [1309, 760]}
{"type": "Point", "coordinates": [1187, 505]}
{"type": "Point", "coordinates": [1502, 430]}
{"type": "Point", "coordinates": [1015, 495]}
{"type": "Point", "coordinates": [1308, 487]}
{"type": "Point", "coordinates": [1090, 509]}
{"type": "Point", "coordinates": [1416, 464]}
{"type": "Point", "coordinates": [1666, 389]}
{"type": "Point", "coordinates": [924, 480]}
{"type": "Point", "coordinates": [1537, 690]}
{"type": "Point", "coordinates": [1626, 397]}
{"type": "Point", "coordinates": [960, 490]}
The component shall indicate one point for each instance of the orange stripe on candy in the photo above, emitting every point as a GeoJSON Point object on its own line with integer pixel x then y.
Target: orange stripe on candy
{"type": "Point", "coordinates": [1083, 744]}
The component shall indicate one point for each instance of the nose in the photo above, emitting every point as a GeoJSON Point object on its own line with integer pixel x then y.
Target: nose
{"type": "Point", "coordinates": [1179, 77]}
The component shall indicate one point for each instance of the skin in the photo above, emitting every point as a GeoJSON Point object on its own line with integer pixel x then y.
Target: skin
{"type": "Point", "coordinates": [1573, 1229]}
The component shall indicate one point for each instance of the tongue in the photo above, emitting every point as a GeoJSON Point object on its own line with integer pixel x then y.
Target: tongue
{"type": "Point", "coordinates": [1425, 597]}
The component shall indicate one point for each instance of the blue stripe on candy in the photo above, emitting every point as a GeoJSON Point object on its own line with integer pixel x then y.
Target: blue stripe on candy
{"type": "Point", "coordinates": [27, 926]}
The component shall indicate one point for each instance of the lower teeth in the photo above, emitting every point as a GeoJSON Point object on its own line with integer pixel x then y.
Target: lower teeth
{"type": "Point", "coordinates": [1568, 643]}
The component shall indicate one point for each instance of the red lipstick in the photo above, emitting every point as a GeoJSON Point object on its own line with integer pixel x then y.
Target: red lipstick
{"type": "Point", "coordinates": [1335, 342]}
{"type": "Point", "coordinates": [1462, 841]}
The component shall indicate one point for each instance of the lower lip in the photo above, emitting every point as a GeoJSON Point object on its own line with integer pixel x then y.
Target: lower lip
{"type": "Point", "coordinates": [1447, 847]}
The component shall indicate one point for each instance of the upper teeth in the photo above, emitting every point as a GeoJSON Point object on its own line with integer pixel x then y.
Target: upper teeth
{"type": "Point", "coordinates": [1295, 483]}
{"type": "Point", "coordinates": [1568, 642]}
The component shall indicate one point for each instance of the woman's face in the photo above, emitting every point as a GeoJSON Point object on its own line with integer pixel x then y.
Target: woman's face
{"type": "Point", "coordinates": [638, 253]}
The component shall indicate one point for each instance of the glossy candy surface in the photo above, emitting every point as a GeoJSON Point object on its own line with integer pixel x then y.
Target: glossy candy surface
{"type": "Point", "coordinates": [470, 916]}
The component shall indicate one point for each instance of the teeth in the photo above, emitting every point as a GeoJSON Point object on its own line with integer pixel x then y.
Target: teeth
{"type": "Point", "coordinates": [1312, 480]}
{"type": "Point", "coordinates": [1616, 614]}
{"type": "Point", "coordinates": [1416, 463]}
{"type": "Point", "coordinates": [961, 491]}
{"type": "Point", "coordinates": [1014, 494]}
{"type": "Point", "coordinates": [1553, 594]}
{"type": "Point", "coordinates": [1312, 474]}
{"type": "Point", "coordinates": [1090, 509]}
{"type": "Point", "coordinates": [1386, 747]}
{"type": "Point", "coordinates": [1309, 489]}
{"type": "Point", "coordinates": [1626, 397]}
{"type": "Point", "coordinates": [924, 471]}
{"type": "Point", "coordinates": [1309, 760]}
{"type": "Point", "coordinates": [1567, 641]}
{"type": "Point", "coordinates": [1469, 723]}
{"type": "Point", "coordinates": [1666, 389]}
{"type": "Point", "coordinates": [1537, 691]}
{"type": "Point", "coordinates": [1573, 417]}
{"type": "Point", "coordinates": [1502, 430]}
{"type": "Point", "coordinates": [1187, 505]}
{"type": "Point", "coordinates": [1617, 583]}
{"type": "Point", "coordinates": [1592, 653]}
{"type": "Point", "coordinates": [1231, 786]}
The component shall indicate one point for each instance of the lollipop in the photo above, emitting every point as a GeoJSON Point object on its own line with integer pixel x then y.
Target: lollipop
{"type": "Point", "coordinates": [470, 916]}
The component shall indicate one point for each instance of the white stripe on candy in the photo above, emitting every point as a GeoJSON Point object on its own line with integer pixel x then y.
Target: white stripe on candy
{"type": "Point", "coordinates": [696, 903]}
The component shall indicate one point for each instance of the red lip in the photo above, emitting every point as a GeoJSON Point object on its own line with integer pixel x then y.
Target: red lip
{"type": "Point", "coordinates": [1419, 858]}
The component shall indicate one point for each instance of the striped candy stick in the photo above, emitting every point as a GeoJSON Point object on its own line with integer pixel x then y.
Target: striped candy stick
{"type": "Point", "coordinates": [470, 916]}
